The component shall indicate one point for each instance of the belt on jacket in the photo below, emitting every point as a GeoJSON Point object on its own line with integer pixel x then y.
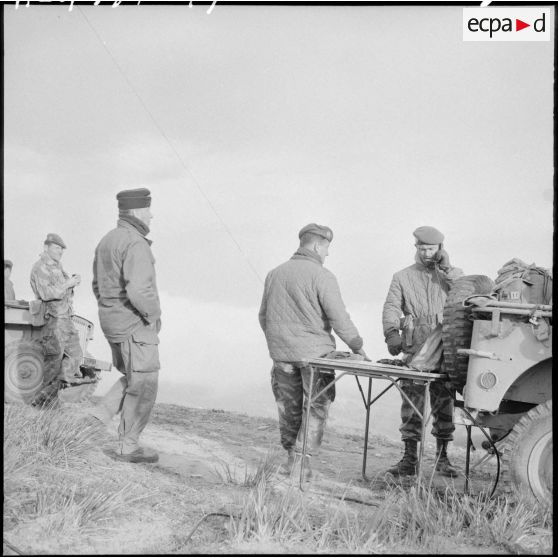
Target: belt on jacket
{"type": "Point", "coordinates": [409, 322]}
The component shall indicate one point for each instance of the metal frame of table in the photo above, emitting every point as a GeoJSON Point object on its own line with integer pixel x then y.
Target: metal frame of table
{"type": "Point", "coordinates": [370, 370]}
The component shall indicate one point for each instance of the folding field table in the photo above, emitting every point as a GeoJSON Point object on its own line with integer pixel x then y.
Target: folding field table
{"type": "Point", "coordinates": [365, 369]}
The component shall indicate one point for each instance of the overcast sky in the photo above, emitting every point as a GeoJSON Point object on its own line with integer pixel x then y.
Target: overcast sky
{"type": "Point", "coordinates": [250, 122]}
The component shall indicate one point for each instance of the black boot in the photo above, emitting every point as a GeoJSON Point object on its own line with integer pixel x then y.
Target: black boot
{"type": "Point", "coordinates": [408, 464]}
{"type": "Point", "coordinates": [443, 465]}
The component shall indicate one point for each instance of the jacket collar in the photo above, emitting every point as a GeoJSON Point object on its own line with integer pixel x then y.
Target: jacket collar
{"type": "Point", "coordinates": [305, 254]}
{"type": "Point", "coordinates": [47, 260]}
{"type": "Point", "coordinates": [128, 223]}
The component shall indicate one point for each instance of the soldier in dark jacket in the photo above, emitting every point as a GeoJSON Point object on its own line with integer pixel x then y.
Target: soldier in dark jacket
{"type": "Point", "coordinates": [129, 312]}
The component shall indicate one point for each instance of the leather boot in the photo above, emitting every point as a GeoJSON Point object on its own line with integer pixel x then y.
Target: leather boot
{"type": "Point", "coordinates": [408, 464]}
{"type": "Point", "coordinates": [443, 465]}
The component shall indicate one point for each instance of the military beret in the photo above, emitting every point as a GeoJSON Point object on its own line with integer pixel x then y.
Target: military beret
{"type": "Point", "coordinates": [53, 238]}
{"type": "Point", "coordinates": [8, 263]}
{"type": "Point", "coordinates": [320, 230]}
{"type": "Point", "coordinates": [134, 199]}
{"type": "Point", "coordinates": [428, 235]}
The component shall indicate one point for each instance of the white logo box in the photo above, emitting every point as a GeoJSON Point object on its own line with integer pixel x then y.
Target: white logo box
{"type": "Point", "coordinates": [501, 24]}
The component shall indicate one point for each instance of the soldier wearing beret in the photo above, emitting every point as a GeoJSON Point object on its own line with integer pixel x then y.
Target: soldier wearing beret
{"type": "Point", "coordinates": [61, 348]}
{"type": "Point", "coordinates": [9, 292]}
{"type": "Point", "coordinates": [301, 305]}
{"type": "Point", "coordinates": [413, 308]}
{"type": "Point", "coordinates": [125, 287]}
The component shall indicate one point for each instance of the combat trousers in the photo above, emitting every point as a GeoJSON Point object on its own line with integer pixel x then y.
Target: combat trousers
{"type": "Point", "coordinates": [441, 403]}
{"type": "Point", "coordinates": [133, 395]}
{"type": "Point", "coordinates": [62, 356]}
{"type": "Point", "coordinates": [290, 383]}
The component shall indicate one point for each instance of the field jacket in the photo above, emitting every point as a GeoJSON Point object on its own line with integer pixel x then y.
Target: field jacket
{"type": "Point", "coordinates": [124, 282]}
{"type": "Point", "coordinates": [415, 302]}
{"type": "Point", "coordinates": [48, 280]}
{"type": "Point", "coordinates": [300, 306]}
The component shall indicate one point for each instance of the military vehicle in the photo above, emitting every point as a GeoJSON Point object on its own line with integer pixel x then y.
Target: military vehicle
{"type": "Point", "coordinates": [498, 355]}
{"type": "Point", "coordinates": [23, 358]}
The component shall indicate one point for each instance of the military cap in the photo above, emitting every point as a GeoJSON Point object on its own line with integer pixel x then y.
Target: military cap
{"type": "Point", "coordinates": [320, 230]}
{"type": "Point", "coordinates": [428, 235]}
{"type": "Point", "coordinates": [8, 263]}
{"type": "Point", "coordinates": [134, 199]}
{"type": "Point", "coordinates": [53, 238]}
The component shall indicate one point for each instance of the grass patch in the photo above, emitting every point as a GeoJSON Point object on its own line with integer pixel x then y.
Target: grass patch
{"type": "Point", "coordinates": [54, 475]}
{"type": "Point", "coordinates": [246, 476]}
{"type": "Point", "coordinates": [416, 520]}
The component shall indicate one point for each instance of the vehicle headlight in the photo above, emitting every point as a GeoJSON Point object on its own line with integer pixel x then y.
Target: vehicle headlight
{"type": "Point", "coordinates": [487, 380]}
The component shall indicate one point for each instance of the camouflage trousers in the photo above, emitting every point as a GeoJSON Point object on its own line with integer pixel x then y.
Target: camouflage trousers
{"type": "Point", "coordinates": [441, 403]}
{"type": "Point", "coordinates": [290, 383]}
{"type": "Point", "coordinates": [62, 357]}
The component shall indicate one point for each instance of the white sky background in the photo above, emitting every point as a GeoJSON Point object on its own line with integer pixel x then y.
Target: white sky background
{"type": "Point", "coordinates": [371, 120]}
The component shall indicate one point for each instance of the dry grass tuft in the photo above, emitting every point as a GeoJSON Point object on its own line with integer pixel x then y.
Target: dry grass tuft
{"type": "Point", "coordinates": [53, 476]}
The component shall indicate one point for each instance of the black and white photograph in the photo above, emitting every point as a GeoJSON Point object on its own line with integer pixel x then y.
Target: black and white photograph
{"type": "Point", "coordinates": [278, 278]}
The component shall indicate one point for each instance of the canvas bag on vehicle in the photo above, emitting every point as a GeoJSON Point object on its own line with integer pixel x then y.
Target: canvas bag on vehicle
{"type": "Point", "coordinates": [523, 283]}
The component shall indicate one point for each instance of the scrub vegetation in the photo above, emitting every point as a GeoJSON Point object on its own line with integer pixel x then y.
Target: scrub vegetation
{"type": "Point", "coordinates": [217, 490]}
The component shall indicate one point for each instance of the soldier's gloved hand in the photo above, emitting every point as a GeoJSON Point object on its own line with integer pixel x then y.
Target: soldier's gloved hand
{"type": "Point", "coordinates": [394, 342]}
{"type": "Point", "coordinates": [441, 257]}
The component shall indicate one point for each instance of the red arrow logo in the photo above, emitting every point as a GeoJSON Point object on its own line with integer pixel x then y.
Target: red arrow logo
{"type": "Point", "coordinates": [519, 25]}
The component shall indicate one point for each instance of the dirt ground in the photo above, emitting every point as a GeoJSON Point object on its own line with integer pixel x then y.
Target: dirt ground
{"type": "Point", "coordinates": [197, 447]}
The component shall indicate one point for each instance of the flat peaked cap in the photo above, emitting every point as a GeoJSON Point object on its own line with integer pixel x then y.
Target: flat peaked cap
{"type": "Point", "coordinates": [428, 235]}
{"type": "Point", "coordinates": [8, 263]}
{"type": "Point", "coordinates": [53, 238]}
{"type": "Point", "coordinates": [134, 199]}
{"type": "Point", "coordinates": [320, 230]}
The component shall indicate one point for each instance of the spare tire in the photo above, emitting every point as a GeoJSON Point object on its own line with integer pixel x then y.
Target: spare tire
{"type": "Point", "coordinates": [457, 326]}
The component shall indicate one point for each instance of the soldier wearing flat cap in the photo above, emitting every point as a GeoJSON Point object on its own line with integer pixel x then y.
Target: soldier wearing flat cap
{"type": "Point", "coordinates": [301, 305]}
{"type": "Point", "coordinates": [9, 292]}
{"type": "Point", "coordinates": [412, 310]}
{"type": "Point", "coordinates": [129, 312]}
{"type": "Point", "coordinates": [54, 288]}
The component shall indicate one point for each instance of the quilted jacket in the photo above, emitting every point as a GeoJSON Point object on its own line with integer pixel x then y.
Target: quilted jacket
{"type": "Point", "coordinates": [415, 302]}
{"type": "Point", "coordinates": [301, 304]}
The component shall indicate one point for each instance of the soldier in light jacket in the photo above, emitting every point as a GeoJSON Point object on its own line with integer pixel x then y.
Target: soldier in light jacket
{"type": "Point", "coordinates": [301, 305]}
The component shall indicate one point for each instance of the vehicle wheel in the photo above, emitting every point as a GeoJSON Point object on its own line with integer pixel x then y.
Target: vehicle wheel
{"type": "Point", "coordinates": [457, 326]}
{"type": "Point", "coordinates": [23, 370]}
{"type": "Point", "coordinates": [527, 455]}
{"type": "Point", "coordinates": [79, 393]}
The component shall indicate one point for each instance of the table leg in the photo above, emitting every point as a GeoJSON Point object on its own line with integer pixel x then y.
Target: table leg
{"type": "Point", "coordinates": [367, 429]}
{"type": "Point", "coordinates": [306, 423]}
{"type": "Point", "coordinates": [423, 431]}
{"type": "Point", "coordinates": [467, 458]}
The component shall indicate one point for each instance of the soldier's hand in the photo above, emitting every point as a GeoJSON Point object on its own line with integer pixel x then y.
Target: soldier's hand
{"type": "Point", "coordinates": [363, 354]}
{"type": "Point", "coordinates": [75, 280]}
{"type": "Point", "coordinates": [394, 342]}
{"type": "Point", "coordinates": [441, 257]}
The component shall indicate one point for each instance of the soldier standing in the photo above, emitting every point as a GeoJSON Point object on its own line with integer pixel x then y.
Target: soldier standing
{"type": "Point", "coordinates": [301, 304]}
{"type": "Point", "coordinates": [415, 304]}
{"type": "Point", "coordinates": [9, 292]}
{"type": "Point", "coordinates": [129, 312]}
{"type": "Point", "coordinates": [60, 340]}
